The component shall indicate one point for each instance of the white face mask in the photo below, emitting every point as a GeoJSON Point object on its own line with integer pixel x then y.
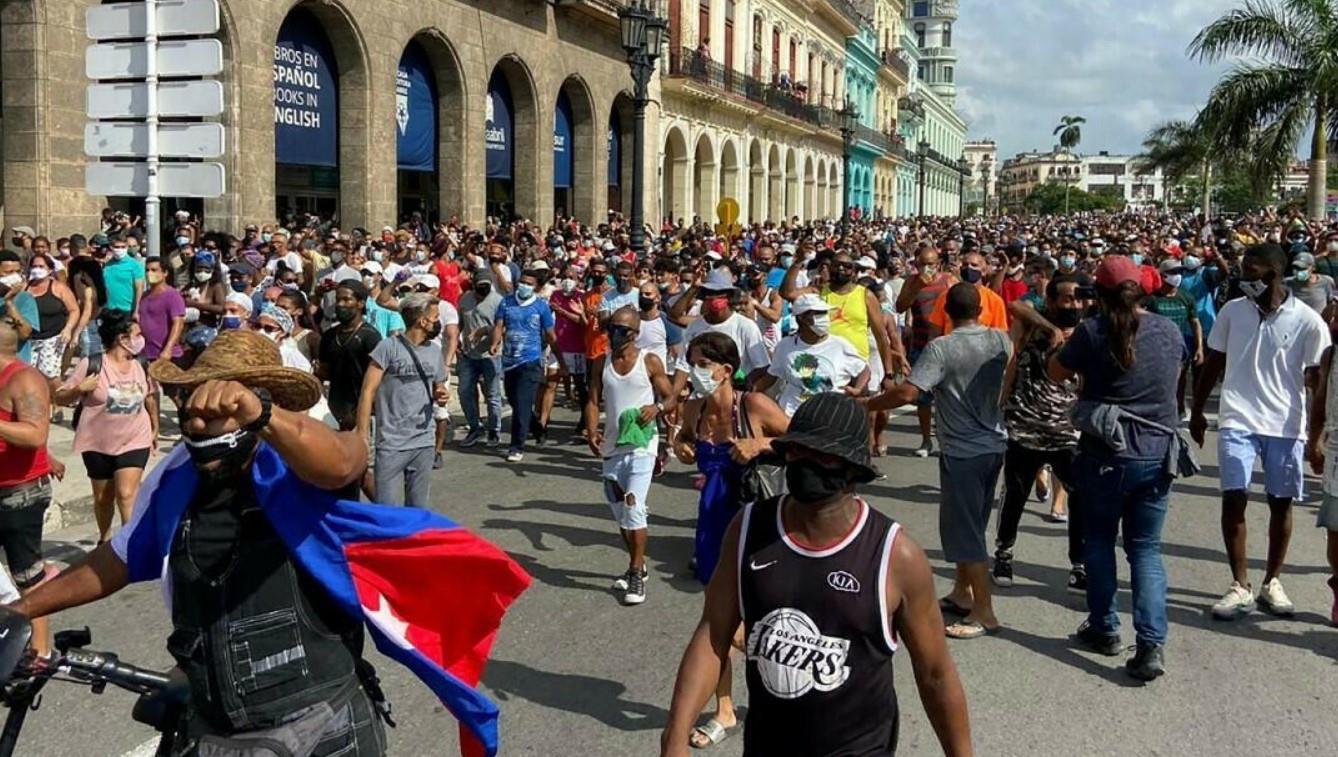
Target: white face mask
{"type": "Point", "coordinates": [11, 279]}
{"type": "Point", "coordinates": [704, 381]}
{"type": "Point", "coordinates": [822, 324]}
{"type": "Point", "coordinates": [37, 274]}
{"type": "Point", "coordinates": [119, 252]}
{"type": "Point", "coordinates": [420, 257]}
{"type": "Point", "coordinates": [568, 286]}
{"type": "Point", "coordinates": [203, 276]}
{"type": "Point", "coordinates": [1171, 280]}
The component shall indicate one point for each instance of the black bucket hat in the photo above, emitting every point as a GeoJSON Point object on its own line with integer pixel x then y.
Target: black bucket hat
{"type": "Point", "coordinates": [835, 424]}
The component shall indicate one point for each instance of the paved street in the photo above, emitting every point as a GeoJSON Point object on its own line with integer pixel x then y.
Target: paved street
{"type": "Point", "coordinates": [577, 674]}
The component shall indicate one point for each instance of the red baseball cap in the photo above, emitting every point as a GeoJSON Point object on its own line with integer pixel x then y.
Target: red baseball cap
{"type": "Point", "coordinates": [1116, 270]}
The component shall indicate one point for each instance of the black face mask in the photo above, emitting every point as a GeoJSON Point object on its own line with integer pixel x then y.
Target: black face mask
{"type": "Point", "coordinates": [971, 275]}
{"type": "Point", "coordinates": [232, 451]}
{"type": "Point", "coordinates": [433, 332]}
{"type": "Point", "coordinates": [620, 337]}
{"type": "Point", "coordinates": [839, 278]}
{"type": "Point", "coordinates": [483, 288]}
{"type": "Point", "coordinates": [1065, 319]}
{"type": "Point", "coordinates": [810, 481]}
{"type": "Point", "coordinates": [646, 303]}
{"type": "Point", "coordinates": [345, 315]}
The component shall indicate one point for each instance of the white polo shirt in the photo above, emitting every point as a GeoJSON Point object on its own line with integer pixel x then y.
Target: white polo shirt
{"type": "Point", "coordinates": [1263, 389]}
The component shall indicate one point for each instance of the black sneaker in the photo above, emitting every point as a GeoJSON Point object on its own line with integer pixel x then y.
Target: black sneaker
{"type": "Point", "coordinates": [621, 582]}
{"type": "Point", "coordinates": [540, 436]}
{"type": "Point", "coordinates": [636, 589]}
{"type": "Point", "coordinates": [1089, 638]}
{"type": "Point", "coordinates": [1147, 664]}
{"type": "Point", "coordinates": [494, 441]}
{"type": "Point", "coordinates": [1003, 570]}
{"type": "Point", "coordinates": [471, 439]}
{"type": "Point", "coordinates": [1078, 580]}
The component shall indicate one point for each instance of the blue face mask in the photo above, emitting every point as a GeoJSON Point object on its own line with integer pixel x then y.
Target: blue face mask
{"type": "Point", "coordinates": [239, 285]}
{"type": "Point", "coordinates": [1068, 261]}
{"type": "Point", "coordinates": [524, 291]}
{"type": "Point", "coordinates": [1191, 263]}
{"type": "Point", "coordinates": [231, 322]}
{"type": "Point", "coordinates": [1137, 258]}
{"type": "Point", "coordinates": [183, 241]}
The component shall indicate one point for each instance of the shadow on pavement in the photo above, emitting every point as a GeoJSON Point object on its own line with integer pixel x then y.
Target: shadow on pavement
{"type": "Point", "coordinates": [598, 698]}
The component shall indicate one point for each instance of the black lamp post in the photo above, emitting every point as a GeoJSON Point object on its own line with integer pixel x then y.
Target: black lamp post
{"type": "Point", "coordinates": [922, 151]}
{"type": "Point", "coordinates": [985, 166]}
{"type": "Point", "coordinates": [963, 168]}
{"type": "Point", "coordinates": [643, 32]}
{"type": "Point", "coordinates": [849, 116]}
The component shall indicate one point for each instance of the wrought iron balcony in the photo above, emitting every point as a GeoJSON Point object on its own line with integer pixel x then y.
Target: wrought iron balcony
{"type": "Point", "coordinates": [894, 61]}
{"type": "Point", "coordinates": [687, 63]}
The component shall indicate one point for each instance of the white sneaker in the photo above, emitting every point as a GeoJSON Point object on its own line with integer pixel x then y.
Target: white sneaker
{"type": "Point", "coordinates": [620, 583]}
{"type": "Point", "coordinates": [1236, 603]}
{"type": "Point", "coordinates": [515, 456]}
{"type": "Point", "coordinates": [1273, 600]}
{"type": "Point", "coordinates": [925, 449]}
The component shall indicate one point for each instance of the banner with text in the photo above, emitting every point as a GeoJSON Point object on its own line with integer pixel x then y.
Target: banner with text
{"type": "Point", "coordinates": [498, 129]}
{"type": "Point", "coordinates": [415, 111]}
{"type": "Point", "coordinates": [563, 155]}
{"type": "Point", "coordinates": [306, 94]}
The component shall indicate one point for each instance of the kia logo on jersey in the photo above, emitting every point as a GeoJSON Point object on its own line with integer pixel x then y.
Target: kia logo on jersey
{"type": "Point", "coordinates": [843, 581]}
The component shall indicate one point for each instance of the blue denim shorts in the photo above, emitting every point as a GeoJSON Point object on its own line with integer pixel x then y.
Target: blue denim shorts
{"type": "Point", "coordinates": [1282, 460]}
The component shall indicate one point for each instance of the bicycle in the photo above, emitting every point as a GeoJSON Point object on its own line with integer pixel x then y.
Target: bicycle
{"type": "Point", "coordinates": [162, 696]}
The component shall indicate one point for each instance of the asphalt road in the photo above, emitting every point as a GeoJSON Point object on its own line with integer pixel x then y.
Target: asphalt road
{"type": "Point", "coordinates": [576, 673]}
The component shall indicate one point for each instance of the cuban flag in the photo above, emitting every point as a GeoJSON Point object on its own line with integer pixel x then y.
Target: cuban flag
{"type": "Point", "coordinates": [431, 593]}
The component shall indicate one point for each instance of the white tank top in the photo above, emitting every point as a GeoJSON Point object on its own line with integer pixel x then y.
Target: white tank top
{"type": "Point", "coordinates": [621, 393]}
{"type": "Point", "coordinates": [771, 332]}
{"type": "Point", "coordinates": [654, 339]}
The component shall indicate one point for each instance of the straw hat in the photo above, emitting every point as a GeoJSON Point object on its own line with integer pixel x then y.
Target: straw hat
{"type": "Point", "coordinates": [250, 359]}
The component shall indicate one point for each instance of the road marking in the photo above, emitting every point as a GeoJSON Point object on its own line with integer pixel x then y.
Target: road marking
{"type": "Point", "coordinates": [147, 749]}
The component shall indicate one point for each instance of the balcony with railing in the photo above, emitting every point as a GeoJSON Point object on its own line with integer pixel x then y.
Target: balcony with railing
{"type": "Point", "coordinates": [783, 97]}
{"type": "Point", "coordinates": [893, 60]}
{"type": "Point", "coordinates": [912, 106]}
{"type": "Point", "coordinates": [850, 11]}
{"type": "Point", "coordinates": [874, 138]}
{"type": "Point", "coordinates": [938, 52]}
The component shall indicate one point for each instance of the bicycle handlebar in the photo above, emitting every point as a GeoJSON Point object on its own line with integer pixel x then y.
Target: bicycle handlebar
{"type": "Point", "coordinates": [88, 666]}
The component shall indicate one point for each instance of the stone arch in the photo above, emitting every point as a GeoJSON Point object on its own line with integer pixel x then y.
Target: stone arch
{"type": "Point", "coordinates": [676, 175]}
{"type": "Point", "coordinates": [452, 96]}
{"type": "Point", "coordinates": [622, 118]}
{"type": "Point", "coordinates": [588, 151]}
{"type": "Point", "coordinates": [525, 141]}
{"type": "Point", "coordinates": [705, 164]}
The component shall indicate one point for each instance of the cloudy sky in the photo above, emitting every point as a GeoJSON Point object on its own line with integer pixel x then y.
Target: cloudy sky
{"type": "Point", "coordinates": [1120, 63]}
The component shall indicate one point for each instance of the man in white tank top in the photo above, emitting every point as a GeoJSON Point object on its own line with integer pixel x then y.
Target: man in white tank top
{"type": "Point", "coordinates": [635, 389]}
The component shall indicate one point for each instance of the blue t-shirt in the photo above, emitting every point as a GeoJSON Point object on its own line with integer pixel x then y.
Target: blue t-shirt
{"type": "Point", "coordinates": [386, 322]}
{"type": "Point", "coordinates": [120, 277]}
{"type": "Point", "coordinates": [775, 278]}
{"type": "Point", "coordinates": [26, 304]}
{"type": "Point", "coordinates": [523, 340]}
{"type": "Point", "coordinates": [1202, 286]}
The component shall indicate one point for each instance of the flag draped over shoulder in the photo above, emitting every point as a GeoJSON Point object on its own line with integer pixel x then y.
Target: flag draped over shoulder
{"type": "Point", "coordinates": [431, 593]}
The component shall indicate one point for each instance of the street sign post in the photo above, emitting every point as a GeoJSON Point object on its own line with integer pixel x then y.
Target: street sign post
{"type": "Point", "coordinates": [128, 49]}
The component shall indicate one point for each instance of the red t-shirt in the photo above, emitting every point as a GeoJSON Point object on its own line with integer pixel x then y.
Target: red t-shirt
{"type": "Point", "coordinates": [19, 465]}
{"type": "Point", "coordinates": [452, 281]}
{"type": "Point", "coordinates": [1013, 289]}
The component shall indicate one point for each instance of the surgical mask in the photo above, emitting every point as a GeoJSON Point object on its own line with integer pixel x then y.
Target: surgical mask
{"type": "Point", "coordinates": [1303, 275]}
{"type": "Point", "coordinates": [1192, 262]}
{"type": "Point", "coordinates": [336, 257]}
{"type": "Point", "coordinates": [704, 381]}
{"type": "Point", "coordinates": [1068, 261]}
{"type": "Point", "coordinates": [821, 324]}
{"type": "Point", "coordinates": [37, 274]}
{"type": "Point", "coordinates": [1253, 288]}
{"type": "Point", "coordinates": [786, 261]}
{"type": "Point", "coordinates": [1172, 280]}
{"type": "Point", "coordinates": [420, 256]}
{"type": "Point", "coordinates": [154, 277]}
{"type": "Point", "coordinates": [183, 241]}
{"type": "Point", "coordinates": [568, 286]}
{"type": "Point", "coordinates": [231, 322]}
{"type": "Point", "coordinates": [239, 285]}
{"type": "Point", "coordinates": [971, 275]}
{"type": "Point", "coordinates": [524, 292]}
{"type": "Point", "coordinates": [378, 255]}
{"type": "Point", "coordinates": [1064, 319]}
{"type": "Point", "coordinates": [811, 481]}
{"type": "Point", "coordinates": [203, 276]}
{"type": "Point", "coordinates": [11, 279]}
{"type": "Point", "coordinates": [1137, 257]}
{"type": "Point", "coordinates": [135, 345]}
{"type": "Point", "coordinates": [232, 451]}
{"type": "Point", "coordinates": [265, 236]}
{"type": "Point", "coordinates": [288, 286]}
{"type": "Point", "coordinates": [119, 253]}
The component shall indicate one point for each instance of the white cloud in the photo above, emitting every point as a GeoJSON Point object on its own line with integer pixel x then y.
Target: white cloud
{"type": "Point", "coordinates": [1120, 63]}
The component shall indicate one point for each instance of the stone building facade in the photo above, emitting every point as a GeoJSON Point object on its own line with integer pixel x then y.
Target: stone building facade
{"type": "Point", "coordinates": [560, 61]}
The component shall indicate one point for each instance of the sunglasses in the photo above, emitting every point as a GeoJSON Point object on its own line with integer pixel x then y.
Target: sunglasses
{"type": "Point", "coordinates": [268, 329]}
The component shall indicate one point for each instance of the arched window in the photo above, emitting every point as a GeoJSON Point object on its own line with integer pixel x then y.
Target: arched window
{"type": "Point", "coordinates": [947, 35]}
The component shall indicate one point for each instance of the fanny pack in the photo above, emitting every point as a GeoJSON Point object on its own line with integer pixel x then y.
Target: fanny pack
{"type": "Point", "coordinates": [1103, 421]}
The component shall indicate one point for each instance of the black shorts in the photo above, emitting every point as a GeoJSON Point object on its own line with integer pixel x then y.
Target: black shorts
{"type": "Point", "coordinates": [21, 515]}
{"type": "Point", "coordinates": [102, 467]}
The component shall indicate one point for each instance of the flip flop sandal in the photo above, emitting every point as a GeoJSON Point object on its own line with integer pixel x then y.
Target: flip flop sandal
{"type": "Point", "coordinates": [712, 731]}
{"type": "Point", "coordinates": [1057, 516]}
{"type": "Point", "coordinates": [949, 606]}
{"type": "Point", "coordinates": [972, 630]}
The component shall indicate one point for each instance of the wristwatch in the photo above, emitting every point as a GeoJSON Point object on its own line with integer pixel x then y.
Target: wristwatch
{"type": "Point", "coordinates": [266, 408]}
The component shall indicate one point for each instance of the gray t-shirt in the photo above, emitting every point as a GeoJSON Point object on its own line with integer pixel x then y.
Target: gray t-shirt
{"type": "Point", "coordinates": [1316, 293]}
{"type": "Point", "coordinates": [965, 370]}
{"type": "Point", "coordinates": [476, 322]}
{"type": "Point", "coordinates": [403, 403]}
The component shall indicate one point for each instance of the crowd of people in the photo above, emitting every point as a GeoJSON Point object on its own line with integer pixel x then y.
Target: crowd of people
{"type": "Point", "coordinates": [1063, 355]}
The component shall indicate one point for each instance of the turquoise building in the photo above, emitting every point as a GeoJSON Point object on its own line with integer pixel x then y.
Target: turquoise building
{"type": "Point", "coordinates": [869, 145]}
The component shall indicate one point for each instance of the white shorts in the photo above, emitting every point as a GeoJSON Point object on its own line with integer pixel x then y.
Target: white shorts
{"type": "Point", "coordinates": [631, 473]}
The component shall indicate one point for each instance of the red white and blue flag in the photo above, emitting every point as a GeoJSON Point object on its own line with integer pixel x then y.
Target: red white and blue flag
{"type": "Point", "coordinates": [431, 594]}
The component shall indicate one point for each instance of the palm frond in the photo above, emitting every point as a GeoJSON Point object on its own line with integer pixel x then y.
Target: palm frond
{"type": "Point", "coordinates": [1274, 146]}
{"type": "Point", "coordinates": [1260, 29]}
{"type": "Point", "coordinates": [1251, 96]}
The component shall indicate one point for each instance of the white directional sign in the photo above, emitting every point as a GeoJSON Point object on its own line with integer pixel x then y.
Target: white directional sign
{"type": "Point", "coordinates": [175, 17]}
{"type": "Point", "coordinates": [128, 60]}
{"type": "Point", "coordinates": [131, 140]}
{"type": "Point", "coordinates": [175, 98]}
{"type": "Point", "coordinates": [174, 179]}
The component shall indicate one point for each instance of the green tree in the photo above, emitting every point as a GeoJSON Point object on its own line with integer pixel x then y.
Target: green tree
{"type": "Point", "coordinates": [1070, 134]}
{"type": "Point", "coordinates": [1179, 149]}
{"type": "Point", "coordinates": [1050, 199]}
{"type": "Point", "coordinates": [1289, 81]}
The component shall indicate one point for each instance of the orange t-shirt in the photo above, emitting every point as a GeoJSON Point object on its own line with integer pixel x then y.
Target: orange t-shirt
{"type": "Point", "coordinates": [993, 311]}
{"type": "Point", "coordinates": [596, 341]}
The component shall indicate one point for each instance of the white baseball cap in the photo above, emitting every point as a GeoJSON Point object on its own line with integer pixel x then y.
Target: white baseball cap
{"type": "Point", "coordinates": [809, 303]}
{"type": "Point", "coordinates": [427, 280]}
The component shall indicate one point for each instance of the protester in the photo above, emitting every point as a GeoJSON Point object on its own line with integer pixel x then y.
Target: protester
{"type": "Point", "coordinates": [20, 306]}
{"type": "Point", "coordinates": [777, 562]}
{"type": "Point", "coordinates": [346, 353]}
{"type": "Point", "coordinates": [124, 276]}
{"type": "Point", "coordinates": [524, 325]}
{"type": "Point", "coordinates": [1311, 287]}
{"type": "Point", "coordinates": [162, 314]}
{"type": "Point", "coordinates": [405, 379]}
{"type": "Point", "coordinates": [118, 417]}
{"type": "Point", "coordinates": [1181, 309]}
{"type": "Point", "coordinates": [479, 368]}
{"type": "Point", "coordinates": [1127, 359]}
{"type": "Point", "coordinates": [966, 368]}
{"type": "Point", "coordinates": [919, 297]}
{"type": "Point", "coordinates": [57, 316]}
{"type": "Point", "coordinates": [1266, 346]}
{"type": "Point", "coordinates": [1322, 453]}
{"type": "Point", "coordinates": [634, 388]}
{"type": "Point", "coordinates": [811, 362]}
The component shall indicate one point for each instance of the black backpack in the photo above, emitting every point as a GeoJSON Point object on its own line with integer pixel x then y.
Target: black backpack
{"type": "Point", "coordinates": [94, 369]}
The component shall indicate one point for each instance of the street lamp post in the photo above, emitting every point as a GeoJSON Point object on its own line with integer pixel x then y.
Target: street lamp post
{"type": "Point", "coordinates": [963, 168]}
{"type": "Point", "coordinates": [922, 151]}
{"type": "Point", "coordinates": [643, 33]}
{"type": "Point", "coordinates": [849, 116]}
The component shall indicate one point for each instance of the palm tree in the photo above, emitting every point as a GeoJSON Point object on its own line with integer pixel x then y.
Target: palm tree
{"type": "Point", "coordinates": [1070, 134]}
{"type": "Point", "coordinates": [1179, 149]}
{"type": "Point", "coordinates": [1290, 80]}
